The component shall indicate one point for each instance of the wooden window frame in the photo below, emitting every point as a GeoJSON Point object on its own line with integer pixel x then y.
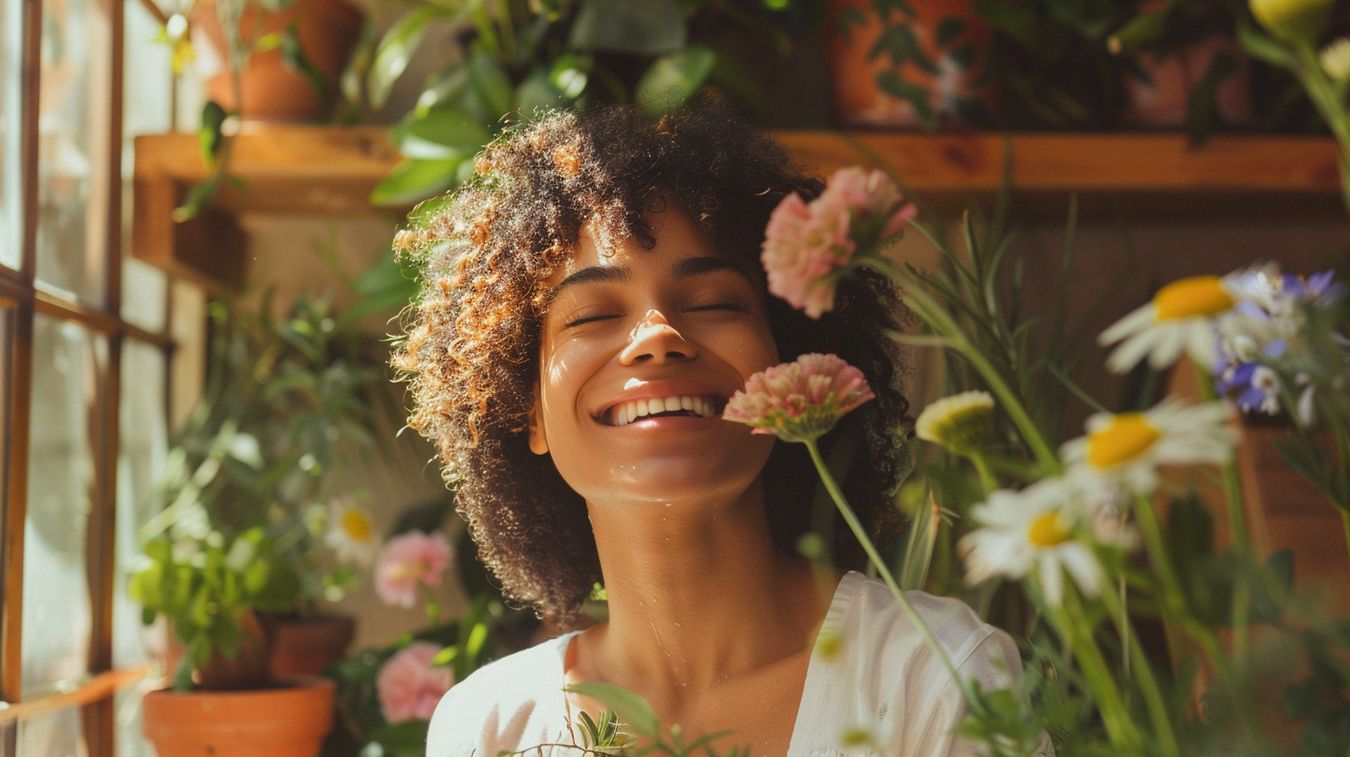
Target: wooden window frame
{"type": "Point", "coordinates": [24, 300]}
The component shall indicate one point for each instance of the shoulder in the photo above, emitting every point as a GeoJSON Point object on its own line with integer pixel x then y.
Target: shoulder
{"type": "Point", "coordinates": [505, 705]}
{"type": "Point", "coordinates": [878, 622]}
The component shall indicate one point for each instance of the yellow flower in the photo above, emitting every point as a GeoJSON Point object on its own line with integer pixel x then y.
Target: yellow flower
{"type": "Point", "coordinates": [962, 423]}
{"type": "Point", "coordinates": [1299, 21]}
{"type": "Point", "coordinates": [1127, 448]}
{"type": "Point", "coordinates": [1034, 531]}
{"type": "Point", "coordinates": [1181, 317]}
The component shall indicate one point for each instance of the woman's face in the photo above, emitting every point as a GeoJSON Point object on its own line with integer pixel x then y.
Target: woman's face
{"type": "Point", "coordinates": [640, 351]}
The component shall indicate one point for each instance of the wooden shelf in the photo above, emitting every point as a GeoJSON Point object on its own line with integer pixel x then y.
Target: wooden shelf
{"type": "Point", "coordinates": [331, 170]}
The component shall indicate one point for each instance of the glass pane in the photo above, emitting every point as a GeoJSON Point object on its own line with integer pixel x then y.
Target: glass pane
{"type": "Point", "coordinates": [144, 290]}
{"type": "Point", "coordinates": [146, 110]}
{"type": "Point", "coordinates": [11, 235]}
{"type": "Point", "coordinates": [67, 362]}
{"type": "Point", "coordinates": [72, 148]}
{"type": "Point", "coordinates": [143, 431]}
{"type": "Point", "coordinates": [56, 735]}
{"type": "Point", "coordinates": [130, 741]}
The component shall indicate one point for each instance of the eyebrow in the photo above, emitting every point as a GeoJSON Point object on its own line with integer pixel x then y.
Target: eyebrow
{"type": "Point", "coordinates": [683, 269]}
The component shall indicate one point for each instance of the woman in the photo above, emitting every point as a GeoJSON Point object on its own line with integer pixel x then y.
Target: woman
{"type": "Point", "coordinates": [592, 299]}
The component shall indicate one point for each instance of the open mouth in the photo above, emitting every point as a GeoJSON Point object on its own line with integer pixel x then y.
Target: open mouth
{"type": "Point", "coordinates": [677, 406]}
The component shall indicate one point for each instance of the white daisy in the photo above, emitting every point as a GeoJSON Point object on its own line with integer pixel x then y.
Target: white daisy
{"type": "Point", "coordinates": [1034, 531]}
{"type": "Point", "coordinates": [1127, 448]}
{"type": "Point", "coordinates": [351, 532]}
{"type": "Point", "coordinates": [1335, 59]}
{"type": "Point", "coordinates": [961, 423]}
{"type": "Point", "coordinates": [1180, 317]}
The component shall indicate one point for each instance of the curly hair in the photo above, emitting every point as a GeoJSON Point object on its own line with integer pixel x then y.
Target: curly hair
{"type": "Point", "coordinates": [470, 347]}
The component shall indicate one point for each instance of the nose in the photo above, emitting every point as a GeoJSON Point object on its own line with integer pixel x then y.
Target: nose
{"type": "Point", "coordinates": [654, 340]}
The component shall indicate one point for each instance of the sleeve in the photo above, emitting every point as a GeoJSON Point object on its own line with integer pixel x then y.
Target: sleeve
{"type": "Point", "coordinates": [462, 726]}
{"type": "Point", "coordinates": [935, 703]}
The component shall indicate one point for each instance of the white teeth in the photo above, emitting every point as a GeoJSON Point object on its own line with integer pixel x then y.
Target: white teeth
{"type": "Point", "coordinates": [625, 413]}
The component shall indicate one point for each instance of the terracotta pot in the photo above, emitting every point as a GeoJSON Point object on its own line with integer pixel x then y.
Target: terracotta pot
{"type": "Point", "coordinates": [289, 720]}
{"type": "Point", "coordinates": [877, 83]}
{"type": "Point", "coordinates": [327, 30]}
{"type": "Point", "coordinates": [1162, 102]}
{"type": "Point", "coordinates": [307, 645]}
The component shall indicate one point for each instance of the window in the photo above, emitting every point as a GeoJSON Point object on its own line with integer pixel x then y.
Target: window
{"type": "Point", "coordinates": [85, 363]}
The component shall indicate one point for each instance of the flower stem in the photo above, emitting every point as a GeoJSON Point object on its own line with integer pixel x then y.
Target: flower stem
{"type": "Point", "coordinates": [987, 479]}
{"type": "Point", "coordinates": [1173, 598]}
{"type": "Point", "coordinates": [1119, 725]}
{"type": "Point", "coordinates": [922, 303]}
{"type": "Point", "coordinates": [1143, 673]}
{"type": "Point", "coordinates": [875, 557]}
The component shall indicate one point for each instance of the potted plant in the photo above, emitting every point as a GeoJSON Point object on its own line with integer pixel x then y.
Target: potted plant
{"type": "Point", "coordinates": [210, 591]}
{"type": "Point", "coordinates": [516, 59]}
{"type": "Point", "coordinates": [246, 544]}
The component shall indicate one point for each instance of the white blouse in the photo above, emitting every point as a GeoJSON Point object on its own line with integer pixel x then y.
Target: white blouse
{"type": "Point", "coordinates": [883, 678]}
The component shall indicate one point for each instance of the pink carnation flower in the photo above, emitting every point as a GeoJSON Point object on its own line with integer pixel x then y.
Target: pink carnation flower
{"type": "Point", "coordinates": [801, 400]}
{"type": "Point", "coordinates": [806, 244]}
{"type": "Point", "coordinates": [409, 687]}
{"type": "Point", "coordinates": [408, 561]}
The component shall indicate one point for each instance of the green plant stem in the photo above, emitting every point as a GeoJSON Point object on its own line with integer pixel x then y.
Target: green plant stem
{"type": "Point", "coordinates": [885, 572]}
{"type": "Point", "coordinates": [922, 303]}
{"type": "Point", "coordinates": [987, 479]}
{"type": "Point", "coordinates": [1237, 525]}
{"type": "Point", "coordinates": [1173, 598]}
{"type": "Point", "coordinates": [1329, 104]}
{"type": "Point", "coordinates": [1119, 725]}
{"type": "Point", "coordinates": [1143, 673]}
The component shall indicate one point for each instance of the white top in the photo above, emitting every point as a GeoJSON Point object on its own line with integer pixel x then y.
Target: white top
{"type": "Point", "coordinates": [883, 677]}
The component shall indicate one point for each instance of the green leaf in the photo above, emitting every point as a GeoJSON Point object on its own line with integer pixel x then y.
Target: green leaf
{"type": "Point", "coordinates": [1264, 48]}
{"type": "Point", "coordinates": [537, 93]}
{"type": "Point", "coordinates": [490, 84]}
{"type": "Point", "coordinates": [673, 79]}
{"type": "Point", "coordinates": [295, 59]}
{"type": "Point", "coordinates": [948, 29]}
{"type": "Point", "coordinates": [915, 95]}
{"type": "Point", "coordinates": [650, 27]}
{"type": "Point", "coordinates": [570, 74]}
{"type": "Point", "coordinates": [413, 180]}
{"type": "Point", "coordinates": [440, 133]}
{"type": "Point", "coordinates": [396, 50]}
{"type": "Point", "coordinates": [902, 46]}
{"type": "Point", "coordinates": [209, 135]}
{"type": "Point", "coordinates": [404, 739]}
{"type": "Point", "coordinates": [635, 712]}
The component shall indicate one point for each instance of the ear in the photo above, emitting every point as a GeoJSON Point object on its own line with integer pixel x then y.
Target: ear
{"type": "Point", "coordinates": [534, 426]}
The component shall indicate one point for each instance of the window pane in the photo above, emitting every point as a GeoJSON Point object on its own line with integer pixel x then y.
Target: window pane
{"type": "Point", "coordinates": [72, 148]}
{"type": "Point", "coordinates": [131, 742]}
{"type": "Point", "coordinates": [143, 431]}
{"type": "Point", "coordinates": [56, 735]}
{"type": "Point", "coordinates": [146, 110]}
{"type": "Point", "coordinates": [67, 361]}
{"type": "Point", "coordinates": [11, 16]}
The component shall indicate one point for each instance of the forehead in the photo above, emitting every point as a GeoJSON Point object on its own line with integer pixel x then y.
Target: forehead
{"type": "Point", "coordinates": [675, 234]}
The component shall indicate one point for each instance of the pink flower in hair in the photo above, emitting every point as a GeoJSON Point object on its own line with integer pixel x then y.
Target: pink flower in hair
{"type": "Point", "coordinates": [805, 245]}
{"type": "Point", "coordinates": [408, 561]}
{"type": "Point", "coordinates": [801, 400]}
{"type": "Point", "coordinates": [409, 687]}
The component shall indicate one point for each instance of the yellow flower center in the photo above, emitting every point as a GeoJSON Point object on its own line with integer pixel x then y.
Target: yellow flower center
{"type": "Point", "coordinates": [1195, 296]}
{"type": "Point", "coordinates": [1048, 530]}
{"type": "Point", "coordinates": [356, 525]}
{"type": "Point", "coordinates": [1125, 438]}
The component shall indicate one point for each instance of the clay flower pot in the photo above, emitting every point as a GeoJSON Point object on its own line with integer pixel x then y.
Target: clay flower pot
{"type": "Point", "coordinates": [289, 720]}
{"type": "Point", "coordinates": [307, 645]}
{"type": "Point", "coordinates": [888, 69]}
{"type": "Point", "coordinates": [327, 31]}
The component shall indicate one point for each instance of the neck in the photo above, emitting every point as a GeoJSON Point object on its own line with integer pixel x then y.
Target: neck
{"type": "Point", "coordinates": [698, 593]}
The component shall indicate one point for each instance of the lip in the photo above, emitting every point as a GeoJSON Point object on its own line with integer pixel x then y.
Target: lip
{"type": "Point", "coordinates": [658, 389]}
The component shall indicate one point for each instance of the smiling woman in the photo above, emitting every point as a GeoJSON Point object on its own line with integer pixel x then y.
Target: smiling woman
{"type": "Point", "coordinates": [591, 301]}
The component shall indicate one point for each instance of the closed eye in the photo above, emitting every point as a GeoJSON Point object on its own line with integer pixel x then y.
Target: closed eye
{"type": "Point", "coordinates": [587, 319]}
{"type": "Point", "coordinates": [732, 306]}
